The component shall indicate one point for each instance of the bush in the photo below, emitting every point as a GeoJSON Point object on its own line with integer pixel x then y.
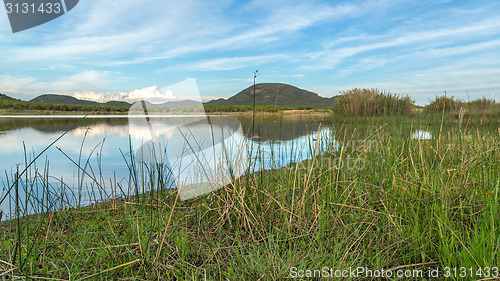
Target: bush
{"type": "Point", "coordinates": [372, 102]}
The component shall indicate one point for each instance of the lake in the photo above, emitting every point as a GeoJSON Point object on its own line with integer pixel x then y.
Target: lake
{"type": "Point", "coordinates": [94, 159]}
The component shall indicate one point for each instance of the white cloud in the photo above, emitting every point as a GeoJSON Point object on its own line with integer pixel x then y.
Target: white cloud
{"type": "Point", "coordinates": [422, 40]}
{"type": "Point", "coordinates": [234, 62]}
{"type": "Point", "coordinates": [28, 87]}
{"type": "Point", "coordinates": [151, 94]}
{"type": "Point", "coordinates": [105, 31]}
{"type": "Point", "coordinates": [88, 79]}
{"type": "Point", "coordinates": [135, 31]}
{"type": "Point", "coordinates": [98, 97]}
{"type": "Point", "coordinates": [187, 89]}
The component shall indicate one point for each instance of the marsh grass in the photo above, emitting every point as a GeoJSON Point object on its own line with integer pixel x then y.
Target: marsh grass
{"type": "Point", "coordinates": [415, 204]}
{"type": "Point", "coordinates": [372, 102]}
{"type": "Point", "coordinates": [487, 109]}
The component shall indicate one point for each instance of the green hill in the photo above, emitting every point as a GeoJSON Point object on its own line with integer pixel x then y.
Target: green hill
{"type": "Point", "coordinates": [6, 98]}
{"type": "Point", "coordinates": [61, 99]}
{"type": "Point", "coordinates": [281, 95]}
{"type": "Point", "coordinates": [116, 103]}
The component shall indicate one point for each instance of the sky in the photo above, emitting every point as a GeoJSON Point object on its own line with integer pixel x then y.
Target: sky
{"type": "Point", "coordinates": [132, 49]}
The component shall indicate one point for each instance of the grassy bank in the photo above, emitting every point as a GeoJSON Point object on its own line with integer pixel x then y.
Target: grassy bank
{"type": "Point", "coordinates": [383, 200]}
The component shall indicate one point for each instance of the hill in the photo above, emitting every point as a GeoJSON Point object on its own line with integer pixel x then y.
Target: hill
{"type": "Point", "coordinates": [61, 99]}
{"type": "Point", "coordinates": [6, 98]}
{"type": "Point", "coordinates": [279, 94]}
{"type": "Point", "coordinates": [116, 103]}
{"type": "Point", "coordinates": [171, 106]}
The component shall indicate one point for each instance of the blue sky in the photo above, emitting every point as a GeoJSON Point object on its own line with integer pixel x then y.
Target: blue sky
{"type": "Point", "coordinates": [111, 49]}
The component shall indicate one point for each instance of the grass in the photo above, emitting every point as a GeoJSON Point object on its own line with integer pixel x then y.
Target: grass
{"type": "Point", "coordinates": [407, 204]}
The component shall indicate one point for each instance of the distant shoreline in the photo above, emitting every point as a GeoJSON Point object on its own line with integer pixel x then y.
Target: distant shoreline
{"type": "Point", "coordinates": [12, 112]}
{"type": "Point", "coordinates": [293, 112]}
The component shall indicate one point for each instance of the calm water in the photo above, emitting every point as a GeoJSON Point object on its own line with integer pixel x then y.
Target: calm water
{"type": "Point", "coordinates": [102, 146]}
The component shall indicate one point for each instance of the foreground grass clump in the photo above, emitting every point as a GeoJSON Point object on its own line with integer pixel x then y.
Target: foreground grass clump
{"type": "Point", "coordinates": [383, 200]}
{"type": "Point", "coordinates": [372, 102]}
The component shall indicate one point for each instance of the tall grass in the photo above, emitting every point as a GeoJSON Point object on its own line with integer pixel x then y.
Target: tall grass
{"type": "Point", "coordinates": [480, 106]}
{"type": "Point", "coordinates": [372, 102]}
{"type": "Point", "coordinates": [413, 204]}
{"type": "Point", "coordinates": [443, 103]}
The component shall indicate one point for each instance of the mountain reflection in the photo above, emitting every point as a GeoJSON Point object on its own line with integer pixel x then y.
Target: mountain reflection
{"type": "Point", "coordinates": [265, 129]}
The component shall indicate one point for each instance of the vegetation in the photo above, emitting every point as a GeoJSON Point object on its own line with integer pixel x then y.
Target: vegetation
{"type": "Point", "coordinates": [381, 199]}
{"type": "Point", "coordinates": [372, 102]}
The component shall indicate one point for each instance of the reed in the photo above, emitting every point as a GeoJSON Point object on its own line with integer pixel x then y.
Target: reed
{"type": "Point", "coordinates": [372, 102]}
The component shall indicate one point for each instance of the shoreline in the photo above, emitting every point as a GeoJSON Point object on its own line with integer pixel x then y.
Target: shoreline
{"type": "Point", "coordinates": [48, 114]}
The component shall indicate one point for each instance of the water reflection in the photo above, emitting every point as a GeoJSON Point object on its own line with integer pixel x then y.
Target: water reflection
{"type": "Point", "coordinates": [202, 153]}
{"type": "Point", "coordinates": [101, 145]}
{"type": "Point", "coordinates": [59, 124]}
{"type": "Point", "coordinates": [278, 128]}
{"type": "Point", "coordinates": [421, 135]}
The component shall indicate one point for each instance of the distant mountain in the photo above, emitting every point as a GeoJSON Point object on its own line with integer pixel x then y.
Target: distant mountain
{"type": "Point", "coordinates": [276, 94]}
{"type": "Point", "coordinates": [62, 99]}
{"type": "Point", "coordinates": [7, 98]}
{"type": "Point", "coordinates": [171, 106]}
{"type": "Point", "coordinates": [182, 103]}
{"type": "Point", "coordinates": [116, 103]}
{"type": "Point", "coordinates": [267, 94]}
